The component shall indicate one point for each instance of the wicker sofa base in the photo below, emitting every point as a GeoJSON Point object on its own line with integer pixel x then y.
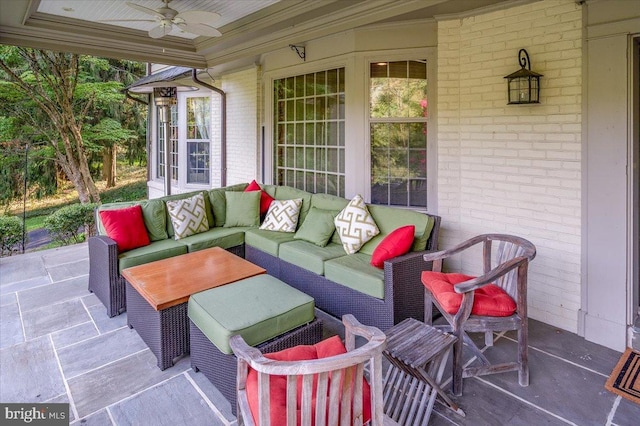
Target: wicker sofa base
{"type": "Point", "coordinates": [221, 369]}
{"type": "Point", "coordinates": [404, 294]}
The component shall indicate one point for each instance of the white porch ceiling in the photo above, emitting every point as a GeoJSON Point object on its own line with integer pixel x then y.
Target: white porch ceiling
{"type": "Point", "coordinates": [249, 27]}
{"type": "Point", "coordinates": [101, 10]}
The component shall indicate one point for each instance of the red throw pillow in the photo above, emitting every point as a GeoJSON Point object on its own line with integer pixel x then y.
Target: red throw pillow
{"type": "Point", "coordinates": [395, 244]}
{"type": "Point", "coordinates": [125, 227]}
{"type": "Point", "coordinates": [265, 199]}
{"type": "Point", "coordinates": [278, 384]}
{"type": "Point", "coordinates": [489, 300]}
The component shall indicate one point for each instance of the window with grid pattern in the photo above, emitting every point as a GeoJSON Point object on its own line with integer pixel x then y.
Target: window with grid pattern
{"type": "Point", "coordinates": [198, 139]}
{"type": "Point", "coordinates": [398, 133]}
{"type": "Point", "coordinates": [309, 131]}
{"type": "Point", "coordinates": [174, 145]}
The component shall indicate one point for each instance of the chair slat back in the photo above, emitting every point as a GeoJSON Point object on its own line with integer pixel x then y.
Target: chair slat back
{"type": "Point", "coordinates": [331, 388]}
{"type": "Point", "coordinates": [508, 250]}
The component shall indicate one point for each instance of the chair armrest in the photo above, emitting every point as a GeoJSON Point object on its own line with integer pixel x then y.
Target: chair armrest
{"type": "Point", "coordinates": [354, 328]}
{"type": "Point", "coordinates": [489, 277]}
{"type": "Point", "coordinates": [443, 254]}
{"type": "Point", "coordinates": [242, 350]}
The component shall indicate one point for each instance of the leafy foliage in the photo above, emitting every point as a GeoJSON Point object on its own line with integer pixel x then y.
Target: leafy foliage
{"type": "Point", "coordinates": [41, 173]}
{"type": "Point", "coordinates": [61, 100]}
{"type": "Point", "coordinates": [70, 224]}
{"type": "Point", "coordinates": [10, 235]}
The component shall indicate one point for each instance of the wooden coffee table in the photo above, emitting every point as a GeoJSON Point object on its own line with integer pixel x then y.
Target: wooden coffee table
{"type": "Point", "coordinates": [158, 292]}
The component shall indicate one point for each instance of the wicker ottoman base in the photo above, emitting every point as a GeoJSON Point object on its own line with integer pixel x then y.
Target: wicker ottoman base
{"type": "Point", "coordinates": [166, 332]}
{"type": "Point", "coordinates": [221, 368]}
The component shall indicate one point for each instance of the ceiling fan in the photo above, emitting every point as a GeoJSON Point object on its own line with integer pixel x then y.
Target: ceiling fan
{"type": "Point", "coordinates": [190, 21]}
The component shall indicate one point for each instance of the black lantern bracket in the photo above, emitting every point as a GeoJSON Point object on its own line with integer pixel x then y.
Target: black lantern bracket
{"type": "Point", "coordinates": [523, 86]}
{"type": "Point", "coordinates": [300, 50]}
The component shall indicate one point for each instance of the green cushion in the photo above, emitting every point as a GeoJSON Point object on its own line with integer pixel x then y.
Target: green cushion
{"type": "Point", "coordinates": [290, 193]}
{"type": "Point", "coordinates": [267, 241]}
{"type": "Point", "coordinates": [355, 271]}
{"type": "Point", "coordinates": [219, 204]}
{"type": "Point", "coordinates": [243, 208]}
{"type": "Point", "coordinates": [207, 208]}
{"type": "Point", "coordinates": [155, 251]}
{"type": "Point", "coordinates": [330, 202]}
{"type": "Point", "coordinates": [270, 189]}
{"type": "Point", "coordinates": [389, 219]}
{"type": "Point", "coordinates": [318, 227]}
{"type": "Point", "coordinates": [258, 308]}
{"type": "Point", "coordinates": [309, 256]}
{"type": "Point", "coordinates": [153, 214]}
{"type": "Point", "coordinates": [215, 237]}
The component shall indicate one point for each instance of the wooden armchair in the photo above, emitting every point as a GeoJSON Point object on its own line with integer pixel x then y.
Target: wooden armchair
{"type": "Point", "coordinates": [495, 301]}
{"type": "Point", "coordinates": [320, 384]}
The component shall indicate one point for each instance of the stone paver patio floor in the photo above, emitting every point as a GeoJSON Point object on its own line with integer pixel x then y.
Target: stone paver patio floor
{"type": "Point", "coordinates": [58, 345]}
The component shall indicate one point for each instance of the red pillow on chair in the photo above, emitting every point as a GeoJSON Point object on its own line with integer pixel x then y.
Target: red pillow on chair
{"type": "Point", "coordinates": [395, 244]}
{"type": "Point", "coordinates": [278, 384]}
{"type": "Point", "coordinates": [489, 300]}
{"type": "Point", "coordinates": [125, 227]}
{"type": "Point", "coordinates": [265, 199]}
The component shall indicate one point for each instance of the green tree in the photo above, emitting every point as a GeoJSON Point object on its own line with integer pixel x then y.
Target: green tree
{"type": "Point", "coordinates": [57, 98]}
{"type": "Point", "coordinates": [105, 137]}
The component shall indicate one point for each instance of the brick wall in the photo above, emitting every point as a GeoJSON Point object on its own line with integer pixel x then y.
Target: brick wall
{"type": "Point", "coordinates": [515, 168]}
{"type": "Point", "coordinates": [242, 125]}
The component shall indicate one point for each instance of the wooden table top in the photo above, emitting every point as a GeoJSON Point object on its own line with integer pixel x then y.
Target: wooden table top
{"type": "Point", "coordinates": [169, 282]}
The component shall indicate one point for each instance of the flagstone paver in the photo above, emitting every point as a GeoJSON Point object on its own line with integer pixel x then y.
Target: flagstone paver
{"type": "Point", "coordinates": [29, 372]}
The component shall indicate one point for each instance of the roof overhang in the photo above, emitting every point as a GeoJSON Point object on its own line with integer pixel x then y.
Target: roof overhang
{"type": "Point", "coordinates": [243, 40]}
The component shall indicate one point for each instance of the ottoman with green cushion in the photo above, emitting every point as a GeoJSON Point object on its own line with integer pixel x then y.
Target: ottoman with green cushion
{"type": "Point", "coordinates": [266, 312]}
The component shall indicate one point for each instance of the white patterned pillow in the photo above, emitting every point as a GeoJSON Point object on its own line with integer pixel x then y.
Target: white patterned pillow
{"type": "Point", "coordinates": [355, 226]}
{"type": "Point", "coordinates": [282, 215]}
{"type": "Point", "coordinates": [188, 216]}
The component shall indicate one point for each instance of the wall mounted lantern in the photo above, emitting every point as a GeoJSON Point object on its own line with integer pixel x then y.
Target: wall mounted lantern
{"type": "Point", "coordinates": [523, 86]}
{"type": "Point", "coordinates": [164, 97]}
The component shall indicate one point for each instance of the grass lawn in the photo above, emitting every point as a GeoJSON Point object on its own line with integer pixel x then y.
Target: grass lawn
{"type": "Point", "coordinates": [131, 185]}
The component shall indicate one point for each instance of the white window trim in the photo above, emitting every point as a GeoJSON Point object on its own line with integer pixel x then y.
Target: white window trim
{"type": "Point", "coordinates": [182, 139]}
{"type": "Point", "coordinates": [181, 185]}
{"type": "Point", "coordinates": [357, 140]}
{"type": "Point", "coordinates": [268, 81]}
{"type": "Point", "coordinates": [430, 55]}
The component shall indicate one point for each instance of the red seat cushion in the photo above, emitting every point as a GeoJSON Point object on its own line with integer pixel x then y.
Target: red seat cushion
{"type": "Point", "coordinates": [397, 243]}
{"type": "Point", "coordinates": [489, 300]}
{"type": "Point", "coordinates": [265, 199]}
{"type": "Point", "coordinates": [125, 227]}
{"type": "Point", "coordinates": [278, 384]}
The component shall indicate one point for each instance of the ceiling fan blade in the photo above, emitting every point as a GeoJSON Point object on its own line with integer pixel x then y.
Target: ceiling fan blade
{"type": "Point", "coordinates": [145, 10]}
{"type": "Point", "coordinates": [160, 31]}
{"type": "Point", "coordinates": [127, 20]}
{"type": "Point", "coordinates": [198, 17]}
{"type": "Point", "coordinates": [200, 29]}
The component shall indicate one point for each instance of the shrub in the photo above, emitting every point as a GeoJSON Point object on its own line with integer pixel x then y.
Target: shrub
{"type": "Point", "coordinates": [69, 224]}
{"type": "Point", "coordinates": [10, 235]}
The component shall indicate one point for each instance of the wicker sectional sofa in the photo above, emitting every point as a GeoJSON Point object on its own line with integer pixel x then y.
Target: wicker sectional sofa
{"type": "Point", "coordinates": [338, 282]}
